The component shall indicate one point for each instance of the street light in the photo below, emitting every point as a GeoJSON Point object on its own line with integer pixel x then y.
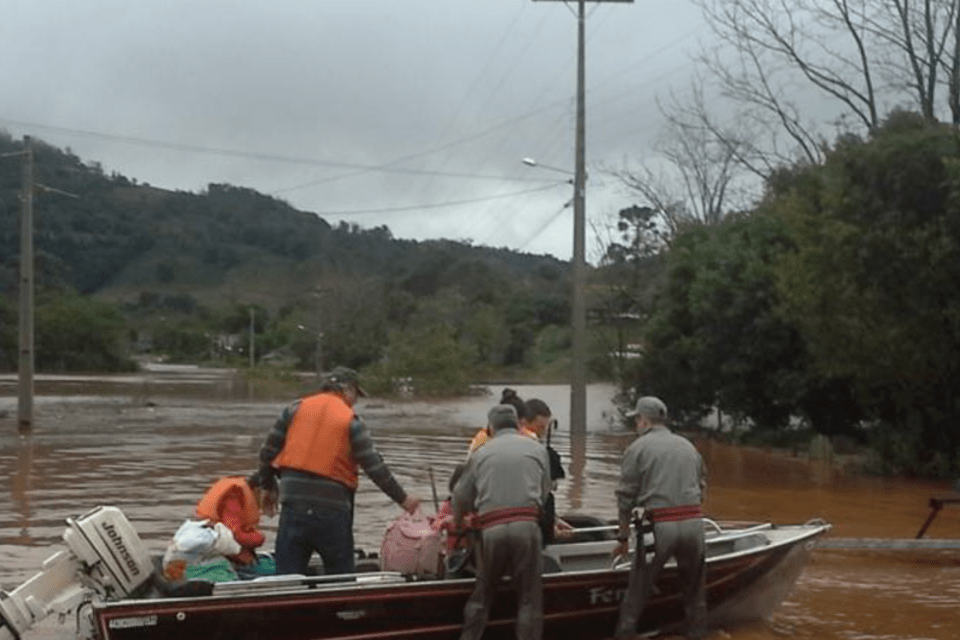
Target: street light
{"type": "Point", "coordinates": [530, 162]}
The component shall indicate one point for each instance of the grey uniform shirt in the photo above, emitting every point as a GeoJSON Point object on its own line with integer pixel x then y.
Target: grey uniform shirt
{"type": "Point", "coordinates": [660, 469]}
{"type": "Point", "coordinates": [510, 470]}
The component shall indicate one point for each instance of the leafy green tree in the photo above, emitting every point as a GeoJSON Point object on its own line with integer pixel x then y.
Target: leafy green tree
{"type": "Point", "coordinates": [73, 333]}
{"type": "Point", "coordinates": [186, 341]}
{"type": "Point", "coordinates": [485, 333]}
{"type": "Point", "coordinates": [874, 285]}
{"type": "Point", "coordinates": [716, 338]}
{"type": "Point", "coordinates": [430, 357]}
{"type": "Point", "coordinates": [354, 323]}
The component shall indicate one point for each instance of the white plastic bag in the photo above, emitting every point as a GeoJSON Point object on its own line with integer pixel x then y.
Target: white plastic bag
{"type": "Point", "coordinates": [226, 544]}
{"type": "Point", "coordinates": [195, 543]}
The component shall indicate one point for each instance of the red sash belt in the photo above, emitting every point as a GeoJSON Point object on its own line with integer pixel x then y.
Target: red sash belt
{"type": "Point", "coordinates": [509, 514]}
{"type": "Point", "coordinates": [675, 514]}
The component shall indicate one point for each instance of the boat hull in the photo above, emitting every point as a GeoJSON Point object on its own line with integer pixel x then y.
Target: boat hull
{"type": "Point", "coordinates": [742, 585]}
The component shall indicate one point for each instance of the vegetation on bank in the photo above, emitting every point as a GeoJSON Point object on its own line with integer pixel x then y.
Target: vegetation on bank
{"type": "Point", "coordinates": [832, 307]}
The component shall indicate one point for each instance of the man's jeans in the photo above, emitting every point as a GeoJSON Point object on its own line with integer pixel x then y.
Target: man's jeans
{"type": "Point", "coordinates": [306, 527]}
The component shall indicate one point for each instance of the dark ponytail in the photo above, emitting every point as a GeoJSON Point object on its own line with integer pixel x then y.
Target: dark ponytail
{"type": "Point", "coordinates": [509, 396]}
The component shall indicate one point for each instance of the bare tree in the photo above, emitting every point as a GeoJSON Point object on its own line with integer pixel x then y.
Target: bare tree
{"type": "Point", "coordinates": [927, 39]}
{"type": "Point", "coordinates": [864, 56]}
{"type": "Point", "coordinates": [953, 71]}
{"type": "Point", "coordinates": [777, 50]}
{"type": "Point", "coordinates": [700, 165]}
{"type": "Point", "coordinates": [789, 69]}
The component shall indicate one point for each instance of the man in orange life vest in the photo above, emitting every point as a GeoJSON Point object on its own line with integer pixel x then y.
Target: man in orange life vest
{"type": "Point", "coordinates": [316, 447]}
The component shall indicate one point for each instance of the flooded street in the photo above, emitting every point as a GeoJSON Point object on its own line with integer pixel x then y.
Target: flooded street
{"type": "Point", "coordinates": [150, 444]}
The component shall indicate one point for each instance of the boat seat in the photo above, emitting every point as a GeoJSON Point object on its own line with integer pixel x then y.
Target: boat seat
{"type": "Point", "coordinates": [298, 582]}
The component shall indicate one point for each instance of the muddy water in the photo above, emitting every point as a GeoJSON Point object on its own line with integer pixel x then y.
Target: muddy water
{"type": "Point", "coordinates": [151, 443]}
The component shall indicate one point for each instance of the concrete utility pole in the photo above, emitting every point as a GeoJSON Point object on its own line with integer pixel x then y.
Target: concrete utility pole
{"type": "Point", "coordinates": [26, 364]}
{"type": "Point", "coordinates": [578, 375]}
{"type": "Point", "coordinates": [253, 362]}
{"type": "Point", "coordinates": [318, 352]}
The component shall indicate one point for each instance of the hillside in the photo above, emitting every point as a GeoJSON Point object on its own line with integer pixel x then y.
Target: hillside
{"type": "Point", "coordinates": [119, 238]}
{"type": "Point", "coordinates": [202, 260]}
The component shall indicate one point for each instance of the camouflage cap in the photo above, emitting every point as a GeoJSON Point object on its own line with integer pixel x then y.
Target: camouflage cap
{"type": "Point", "coordinates": [346, 375]}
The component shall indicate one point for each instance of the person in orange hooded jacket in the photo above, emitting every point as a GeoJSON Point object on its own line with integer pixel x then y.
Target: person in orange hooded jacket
{"type": "Point", "coordinates": [236, 502]}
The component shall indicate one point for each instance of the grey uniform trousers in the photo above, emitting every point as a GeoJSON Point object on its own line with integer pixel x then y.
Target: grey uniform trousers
{"type": "Point", "coordinates": [511, 549]}
{"type": "Point", "coordinates": [682, 540]}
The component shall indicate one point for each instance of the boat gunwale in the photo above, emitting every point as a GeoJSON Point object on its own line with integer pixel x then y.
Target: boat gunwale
{"type": "Point", "coordinates": [797, 534]}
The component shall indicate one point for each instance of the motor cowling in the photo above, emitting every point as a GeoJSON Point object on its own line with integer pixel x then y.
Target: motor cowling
{"type": "Point", "coordinates": [105, 559]}
{"type": "Point", "coordinates": [113, 555]}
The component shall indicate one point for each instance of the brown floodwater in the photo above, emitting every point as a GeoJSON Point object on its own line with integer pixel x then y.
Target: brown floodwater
{"type": "Point", "coordinates": [151, 443]}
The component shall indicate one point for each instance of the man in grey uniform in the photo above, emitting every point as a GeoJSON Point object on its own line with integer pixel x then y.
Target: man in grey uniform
{"type": "Point", "coordinates": [506, 482]}
{"type": "Point", "coordinates": [663, 474]}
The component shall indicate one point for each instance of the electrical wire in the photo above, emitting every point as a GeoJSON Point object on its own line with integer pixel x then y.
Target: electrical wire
{"type": "Point", "coordinates": [543, 227]}
{"type": "Point", "coordinates": [250, 155]}
{"type": "Point", "coordinates": [439, 205]}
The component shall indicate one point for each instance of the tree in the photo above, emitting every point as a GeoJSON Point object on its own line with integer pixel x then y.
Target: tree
{"type": "Point", "coordinates": [857, 55]}
{"type": "Point", "coordinates": [629, 272]}
{"type": "Point", "coordinates": [353, 318]}
{"type": "Point", "coordinates": [713, 328]}
{"type": "Point", "coordinates": [700, 168]}
{"type": "Point", "coordinates": [80, 334]}
{"type": "Point", "coordinates": [716, 339]}
{"type": "Point", "coordinates": [429, 357]}
{"type": "Point", "coordinates": [874, 285]}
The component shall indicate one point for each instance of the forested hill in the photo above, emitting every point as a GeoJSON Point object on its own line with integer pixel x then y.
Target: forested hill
{"type": "Point", "coordinates": [119, 239]}
{"type": "Point", "coordinates": [182, 274]}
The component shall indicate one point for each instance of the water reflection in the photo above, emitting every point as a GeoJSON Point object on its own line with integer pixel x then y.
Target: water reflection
{"type": "Point", "coordinates": [20, 491]}
{"type": "Point", "coordinates": [152, 447]}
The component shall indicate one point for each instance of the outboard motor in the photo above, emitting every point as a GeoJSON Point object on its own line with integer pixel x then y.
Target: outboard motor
{"type": "Point", "coordinates": [106, 560]}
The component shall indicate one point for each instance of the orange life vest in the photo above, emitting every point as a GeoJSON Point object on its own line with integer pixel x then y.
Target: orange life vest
{"type": "Point", "coordinates": [483, 435]}
{"type": "Point", "coordinates": [209, 505]}
{"type": "Point", "coordinates": [318, 440]}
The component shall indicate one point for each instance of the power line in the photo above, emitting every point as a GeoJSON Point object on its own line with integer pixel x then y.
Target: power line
{"type": "Point", "coordinates": [439, 205]}
{"type": "Point", "coordinates": [426, 152]}
{"type": "Point", "coordinates": [250, 155]}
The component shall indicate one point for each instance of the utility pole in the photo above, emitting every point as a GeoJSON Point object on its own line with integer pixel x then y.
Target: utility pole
{"type": "Point", "coordinates": [578, 374]}
{"type": "Point", "coordinates": [318, 352]}
{"type": "Point", "coordinates": [578, 377]}
{"type": "Point", "coordinates": [26, 363]}
{"type": "Point", "coordinates": [25, 366]}
{"type": "Point", "coordinates": [253, 362]}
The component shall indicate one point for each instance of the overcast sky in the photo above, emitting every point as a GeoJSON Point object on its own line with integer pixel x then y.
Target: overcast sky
{"type": "Point", "coordinates": [414, 114]}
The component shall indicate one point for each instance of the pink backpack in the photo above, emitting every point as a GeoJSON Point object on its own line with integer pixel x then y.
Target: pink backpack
{"type": "Point", "coordinates": [412, 546]}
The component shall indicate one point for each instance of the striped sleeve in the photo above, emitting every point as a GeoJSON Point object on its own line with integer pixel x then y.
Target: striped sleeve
{"type": "Point", "coordinates": [367, 456]}
{"type": "Point", "coordinates": [273, 445]}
